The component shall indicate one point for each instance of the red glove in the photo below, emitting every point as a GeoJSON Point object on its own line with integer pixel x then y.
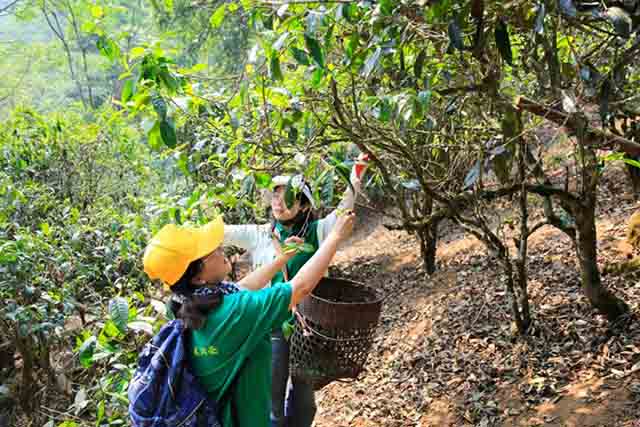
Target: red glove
{"type": "Point", "coordinates": [361, 165]}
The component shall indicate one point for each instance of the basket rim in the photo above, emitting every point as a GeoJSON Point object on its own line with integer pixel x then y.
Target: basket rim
{"type": "Point", "coordinates": [378, 297]}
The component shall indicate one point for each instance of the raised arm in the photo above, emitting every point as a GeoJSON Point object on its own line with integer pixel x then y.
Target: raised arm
{"type": "Point", "coordinates": [348, 201]}
{"type": "Point", "coordinates": [259, 278]}
{"type": "Point", "coordinates": [313, 270]}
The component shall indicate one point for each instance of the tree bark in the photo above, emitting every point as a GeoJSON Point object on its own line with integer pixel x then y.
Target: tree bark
{"type": "Point", "coordinates": [428, 245]}
{"type": "Point", "coordinates": [600, 297]}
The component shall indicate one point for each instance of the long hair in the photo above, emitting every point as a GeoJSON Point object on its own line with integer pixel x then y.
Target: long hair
{"type": "Point", "coordinates": [188, 305]}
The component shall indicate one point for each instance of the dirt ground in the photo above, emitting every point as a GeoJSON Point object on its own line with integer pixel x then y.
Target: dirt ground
{"type": "Point", "coordinates": [446, 353]}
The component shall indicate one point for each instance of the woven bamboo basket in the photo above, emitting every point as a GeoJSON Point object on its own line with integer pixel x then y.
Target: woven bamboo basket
{"type": "Point", "coordinates": [334, 332]}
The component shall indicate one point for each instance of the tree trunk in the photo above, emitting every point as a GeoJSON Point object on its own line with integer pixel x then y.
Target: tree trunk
{"type": "Point", "coordinates": [521, 263]}
{"type": "Point", "coordinates": [599, 297]}
{"type": "Point", "coordinates": [522, 320]}
{"type": "Point", "coordinates": [428, 244]}
{"type": "Point", "coordinates": [23, 344]}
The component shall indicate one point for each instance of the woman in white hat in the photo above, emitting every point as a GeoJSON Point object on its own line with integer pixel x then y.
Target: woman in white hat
{"type": "Point", "coordinates": [230, 329]}
{"type": "Point", "coordinates": [263, 243]}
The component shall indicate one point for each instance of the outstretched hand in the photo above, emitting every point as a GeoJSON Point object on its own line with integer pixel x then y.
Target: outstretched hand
{"type": "Point", "coordinates": [292, 246]}
{"type": "Point", "coordinates": [344, 225]}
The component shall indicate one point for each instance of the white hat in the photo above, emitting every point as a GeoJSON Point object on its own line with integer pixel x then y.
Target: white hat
{"type": "Point", "coordinates": [297, 181]}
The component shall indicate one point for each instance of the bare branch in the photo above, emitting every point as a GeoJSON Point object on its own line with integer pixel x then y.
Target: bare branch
{"type": "Point", "coordinates": [571, 122]}
{"type": "Point", "coordinates": [7, 7]}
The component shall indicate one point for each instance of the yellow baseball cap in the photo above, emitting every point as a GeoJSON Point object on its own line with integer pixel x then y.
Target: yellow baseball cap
{"type": "Point", "coordinates": [174, 247]}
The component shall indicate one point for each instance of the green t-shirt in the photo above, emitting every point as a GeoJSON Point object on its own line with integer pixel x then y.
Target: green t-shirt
{"type": "Point", "coordinates": [299, 259]}
{"type": "Point", "coordinates": [236, 338]}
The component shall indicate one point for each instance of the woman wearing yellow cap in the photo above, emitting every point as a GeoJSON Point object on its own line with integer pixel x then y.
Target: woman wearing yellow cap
{"type": "Point", "coordinates": [263, 242]}
{"type": "Point", "coordinates": [230, 330]}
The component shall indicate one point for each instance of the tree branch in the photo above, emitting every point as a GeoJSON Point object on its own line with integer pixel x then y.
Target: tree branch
{"type": "Point", "coordinates": [571, 122]}
{"type": "Point", "coordinates": [9, 6]}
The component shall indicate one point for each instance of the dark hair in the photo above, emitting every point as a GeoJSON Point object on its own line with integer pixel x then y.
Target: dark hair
{"type": "Point", "coordinates": [192, 308]}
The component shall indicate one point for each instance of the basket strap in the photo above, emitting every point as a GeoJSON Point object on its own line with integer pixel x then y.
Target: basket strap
{"type": "Point", "coordinates": [308, 330]}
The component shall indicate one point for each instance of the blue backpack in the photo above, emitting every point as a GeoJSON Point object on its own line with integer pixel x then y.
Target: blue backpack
{"type": "Point", "coordinates": [163, 391]}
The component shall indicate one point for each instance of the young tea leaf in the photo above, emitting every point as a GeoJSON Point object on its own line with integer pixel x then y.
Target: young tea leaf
{"type": "Point", "coordinates": [263, 180]}
{"type": "Point", "coordinates": [119, 313]}
{"type": "Point", "coordinates": [127, 90]}
{"type": "Point", "coordinates": [298, 247]}
{"type": "Point", "coordinates": [218, 16]}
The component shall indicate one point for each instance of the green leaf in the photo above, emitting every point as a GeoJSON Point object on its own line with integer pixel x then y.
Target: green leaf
{"type": "Point", "coordinates": [371, 62]}
{"type": "Point", "coordinates": [127, 90]}
{"type": "Point", "coordinates": [503, 42]}
{"type": "Point", "coordinates": [287, 329]}
{"type": "Point", "coordinates": [455, 35]}
{"type": "Point", "coordinates": [352, 45]}
{"type": "Point", "coordinates": [108, 48]}
{"type": "Point", "coordinates": [99, 413]}
{"type": "Point", "coordinates": [300, 247]}
{"type": "Point", "coordinates": [119, 313]}
{"type": "Point", "coordinates": [168, 133]}
{"type": "Point", "coordinates": [316, 78]}
{"type": "Point", "coordinates": [386, 7]}
{"type": "Point", "coordinates": [345, 11]}
{"type": "Point", "coordinates": [137, 52]}
{"type": "Point", "coordinates": [154, 136]}
{"type": "Point", "coordinates": [290, 194]}
{"type": "Point", "coordinates": [327, 191]}
{"type": "Point", "coordinates": [218, 16]}
{"type": "Point", "coordinates": [263, 179]}
{"type": "Point", "coordinates": [45, 228]}
{"type": "Point", "coordinates": [97, 11]}
{"type": "Point", "coordinates": [85, 353]}
{"type": "Point", "coordinates": [314, 48]}
{"type": "Point", "coordinates": [274, 68]}
{"type": "Point", "coordinates": [343, 173]}
{"type": "Point", "coordinates": [419, 64]}
{"type": "Point", "coordinates": [160, 105]}
{"type": "Point", "coordinates": [300, 56]}
{"type": "Point", "coordinates": [631, 162]}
